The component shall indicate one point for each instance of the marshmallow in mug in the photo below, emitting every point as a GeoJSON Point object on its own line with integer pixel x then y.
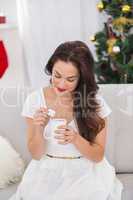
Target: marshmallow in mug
{"type": "Point", "coordinates": [51, 113]}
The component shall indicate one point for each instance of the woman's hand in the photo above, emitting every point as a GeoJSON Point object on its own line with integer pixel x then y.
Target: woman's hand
{"type": "Point", "coordinates": [68, 135]}
{"type": "Point", "coordinates": [41, 117]}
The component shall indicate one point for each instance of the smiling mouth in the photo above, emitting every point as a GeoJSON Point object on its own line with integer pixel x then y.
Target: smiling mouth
{"type": "Point", "coordinates": [61, 90]}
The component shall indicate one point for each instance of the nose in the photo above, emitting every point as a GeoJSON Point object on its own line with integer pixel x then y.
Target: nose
{"type": "Point", "coordinates": [62, 84]}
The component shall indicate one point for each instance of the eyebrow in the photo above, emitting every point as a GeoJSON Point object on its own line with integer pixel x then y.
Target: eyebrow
{"type": "Point", "coordinates": [68, 76]}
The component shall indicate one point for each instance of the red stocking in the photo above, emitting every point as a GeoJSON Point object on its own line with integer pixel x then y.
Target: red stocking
{"type": "Point", "coordinates": [3, 59]}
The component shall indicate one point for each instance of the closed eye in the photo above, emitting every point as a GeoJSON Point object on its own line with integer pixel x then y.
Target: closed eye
{"type": "Point", "coordinates": [71, 80]}
{"type": "Point", "coordinates": [57, 76]}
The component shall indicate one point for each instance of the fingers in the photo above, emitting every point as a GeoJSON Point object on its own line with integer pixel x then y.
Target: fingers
{"type": "Point", "coordinates": [66, 131]}
{"type": "Point", "coordinates": [60, 131]}
{"type": "Point", "coordinates": [63, 142]}
{"type": "Point", "coordinates": [39, 122]}
{"type": "Point", "coordinates": [65, 127]}
{"type": "Point", "coordinates": [62, 127]}
{"type": "Point", "coordinates": [41, 117]}
{"type": "Point", "coordinates": [39, 114]}
{"type": "Point", "coordinates": [42, 110]}
{"type": "Point", "coordinates": [65, 136]}
{"type": "Point", "coordinates": [61, 136]}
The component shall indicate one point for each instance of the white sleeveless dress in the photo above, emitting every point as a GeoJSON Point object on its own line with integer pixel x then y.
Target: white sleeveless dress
{"type": "Point", "coordinates": [66, 179]}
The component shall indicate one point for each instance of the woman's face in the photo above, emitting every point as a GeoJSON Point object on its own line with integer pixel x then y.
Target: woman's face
{"type": "Point", "coordinates": [65, 77]}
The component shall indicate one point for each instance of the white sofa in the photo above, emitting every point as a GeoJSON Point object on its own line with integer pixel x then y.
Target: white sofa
{"type": "Point", "coordinates": [119, 148]}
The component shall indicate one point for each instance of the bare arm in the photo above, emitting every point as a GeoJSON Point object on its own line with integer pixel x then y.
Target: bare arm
{"type": "Point", "coordinates": [93, 152]}
{"type": "Point", "coordinates": [35, 139]}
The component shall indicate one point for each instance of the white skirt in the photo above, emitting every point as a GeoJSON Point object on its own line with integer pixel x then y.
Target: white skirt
{"type": "Point", "coordinates": [68, 179]}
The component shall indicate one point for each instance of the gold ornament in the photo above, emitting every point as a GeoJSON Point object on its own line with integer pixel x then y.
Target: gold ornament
{"type": "Point", "coordinates": [120, 22]}
{"type": "Point", "coordinates": [111, 43]}
{"type": "Point", "coordinates": [126, 8]}
{"type": "Point", "coordinates": [100, 6]}
{"type": "Point", "coordinates": [93, 38]}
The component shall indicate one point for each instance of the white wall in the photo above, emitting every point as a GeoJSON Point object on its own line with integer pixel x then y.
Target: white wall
{"type": "Point", "coordinates": [14, 75]}
{"type": "Point", "coordinates": [81, 22]}
{"type": "Point", "coordinates": [44, 24]}
{"type": "Point", "coordinates": [9, 9]}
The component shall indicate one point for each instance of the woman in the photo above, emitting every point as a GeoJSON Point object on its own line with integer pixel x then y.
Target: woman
{"type": "Point", "coordinates": [74, 167]}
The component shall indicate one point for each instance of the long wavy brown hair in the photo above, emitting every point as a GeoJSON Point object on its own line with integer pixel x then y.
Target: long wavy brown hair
{"type": "Point", "coordinates": [86, 107]}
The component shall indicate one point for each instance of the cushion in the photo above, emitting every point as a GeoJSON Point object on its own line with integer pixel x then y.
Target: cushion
{"type": "Point", "coordinates": [11, 164]}
{"type": "Point", "coordinates": [119, 146]}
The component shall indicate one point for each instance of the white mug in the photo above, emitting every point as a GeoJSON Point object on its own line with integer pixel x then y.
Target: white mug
{"type": "Point", "coordinates": [53, 125]}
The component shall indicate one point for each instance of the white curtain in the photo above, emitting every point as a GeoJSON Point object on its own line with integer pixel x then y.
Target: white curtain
{"type": "Point", "coordinates": [44, 24]}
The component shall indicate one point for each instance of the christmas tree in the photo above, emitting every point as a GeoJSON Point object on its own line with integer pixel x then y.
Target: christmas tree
{"type": "Point", "coordinates": [114, 44]}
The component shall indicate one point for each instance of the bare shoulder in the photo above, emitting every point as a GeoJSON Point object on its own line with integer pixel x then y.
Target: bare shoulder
{"type": "Point", "coordinates": [48, 93]}
{"type": "Point", "coordinates": [48, 89]}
